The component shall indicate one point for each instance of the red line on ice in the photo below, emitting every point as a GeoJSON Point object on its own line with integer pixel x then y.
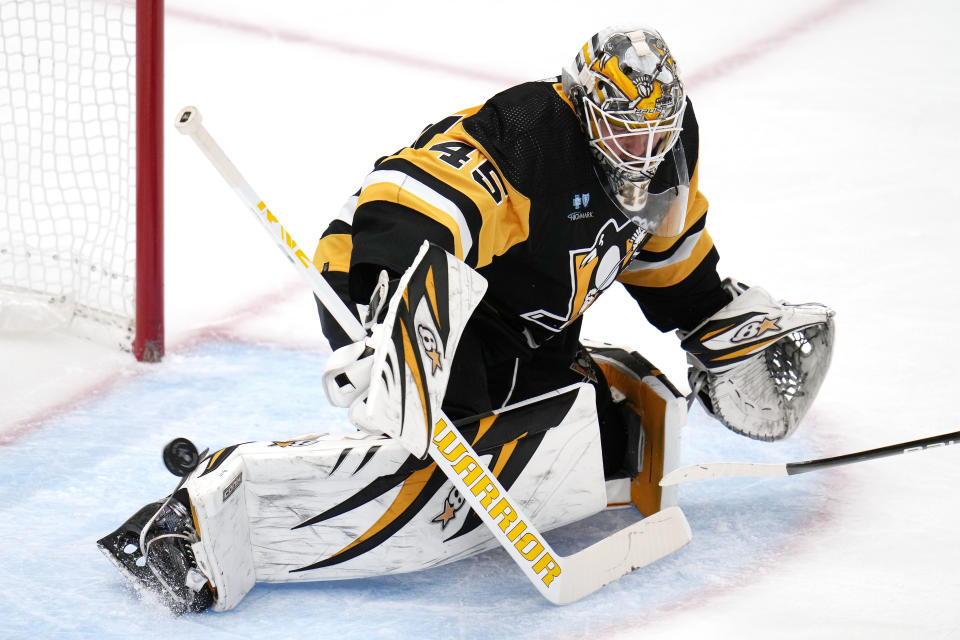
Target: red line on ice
{"type": "Point", "coordinates": [769, 43]}
{"type": "Point", "coordinates": [351, 48]}
{"type": "Point", "coordinates": [716, 70]}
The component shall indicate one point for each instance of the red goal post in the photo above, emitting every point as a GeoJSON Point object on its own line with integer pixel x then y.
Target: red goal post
{"type": "Point", "coordinates": [81, 186]}
{"type": "Point", "coordinates": [148, 338]}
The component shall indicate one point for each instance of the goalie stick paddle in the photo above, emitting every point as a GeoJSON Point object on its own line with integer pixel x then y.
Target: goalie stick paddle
{"type": "Point", "coordinates": [560, 579]}
{"type": "Point", "coordinates": [709, 470]}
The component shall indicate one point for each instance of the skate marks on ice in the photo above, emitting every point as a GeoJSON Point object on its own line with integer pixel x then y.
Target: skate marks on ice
{"type": "Point", "coordinates": [67, 484]}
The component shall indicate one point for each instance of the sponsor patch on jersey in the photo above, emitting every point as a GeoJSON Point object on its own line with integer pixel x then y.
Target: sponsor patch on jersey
{"type": "Point", "coordinates": [581, 202]}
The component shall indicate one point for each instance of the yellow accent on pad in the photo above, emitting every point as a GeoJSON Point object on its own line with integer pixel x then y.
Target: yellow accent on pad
{"type": "Point", "coordinates": [746, 350]}
{"type": "Point", "coordinates": [485, 424]}
{"type": "Point", "coordinates": [505, 454]}
{"type": "Point", "coordinates": [645, 490]}
{"type": "Point", "coordinates": [432, 295]}
{"type": "Point", "coordinates": [196, 524]}
{"type": "Point", "coordinates": [214, 457]}
{"type": "Point", "coordinates": [411, 488]}
{"type": "Point", "coordinates": [714, 333]}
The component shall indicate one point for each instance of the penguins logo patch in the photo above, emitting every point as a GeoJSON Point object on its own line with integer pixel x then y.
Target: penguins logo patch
{"type": "Point", "coordinates": [430, 346]}
{"type": "Point", "coordinates": [451, 504]}
{"type": "Point", "coordinates": [592, 270]}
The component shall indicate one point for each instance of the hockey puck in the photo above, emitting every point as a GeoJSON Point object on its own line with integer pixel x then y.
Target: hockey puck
{"type": "Point", "coordinates": [180, 456]}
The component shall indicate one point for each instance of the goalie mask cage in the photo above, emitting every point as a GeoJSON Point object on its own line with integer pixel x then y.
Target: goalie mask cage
{"type": "Point", "coordinates": [81, 169]}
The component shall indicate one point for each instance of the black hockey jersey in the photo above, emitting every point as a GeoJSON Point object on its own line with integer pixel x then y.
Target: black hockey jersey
{"type": "Point", "coordinates": [511, 189]}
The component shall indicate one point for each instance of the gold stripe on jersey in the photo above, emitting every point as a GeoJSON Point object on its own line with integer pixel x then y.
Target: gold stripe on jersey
{"type": "Point", "coordinates": [333, 252]}
{"type": "Point", "coordinates": [696, 209]}
{"type": "Point", "coordinates": [673, 272]}
{"type": "Point", "coordinates": [504, 224]}
{"type": "Point", "coordinates": [558, 87]}
{"type": "Point", "coordinates": [419, 197]}
{"type": "Point", "coordinates": [682, 262]}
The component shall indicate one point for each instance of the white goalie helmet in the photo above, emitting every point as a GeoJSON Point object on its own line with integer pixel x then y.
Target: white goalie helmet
{"type": "Point", "coordinates": [624, 85]}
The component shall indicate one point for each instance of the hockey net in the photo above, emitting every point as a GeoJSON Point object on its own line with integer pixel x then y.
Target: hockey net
{"type": "Point", "coordinates": [72, 95]}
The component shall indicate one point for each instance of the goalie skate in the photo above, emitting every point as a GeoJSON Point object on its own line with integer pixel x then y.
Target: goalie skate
{"type": "Point", "coordinates": [153, 550]}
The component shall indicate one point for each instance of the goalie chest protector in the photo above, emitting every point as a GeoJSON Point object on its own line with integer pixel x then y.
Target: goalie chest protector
{"type": "Point", "coordinates": [528, 212]}
{"type": "Point", "coordinates": [579, 241]}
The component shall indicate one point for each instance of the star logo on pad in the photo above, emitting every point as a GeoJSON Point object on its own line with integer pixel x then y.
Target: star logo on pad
{"type": "Point", "coordinates": [768, 325]}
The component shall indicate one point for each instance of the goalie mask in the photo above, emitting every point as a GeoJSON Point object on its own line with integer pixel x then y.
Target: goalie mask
{"type": "Point", "coordinates": [626, 90]}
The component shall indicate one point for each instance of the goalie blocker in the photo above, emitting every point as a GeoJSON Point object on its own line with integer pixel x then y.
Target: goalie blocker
{"type": "Point", "coordinates": [322, 507]}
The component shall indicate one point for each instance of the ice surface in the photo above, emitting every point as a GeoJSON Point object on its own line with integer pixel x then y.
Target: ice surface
{"type": "Point", "coordinates": [829, 158]}
{"type": "Point", "coordinates": [54, 481]}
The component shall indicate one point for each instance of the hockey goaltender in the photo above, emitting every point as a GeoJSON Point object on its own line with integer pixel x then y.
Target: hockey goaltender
{"type": "Point", "coordinates": [471, 256]}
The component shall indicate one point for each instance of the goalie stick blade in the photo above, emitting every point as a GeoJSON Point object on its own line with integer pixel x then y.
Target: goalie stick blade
{"type": "Point", "coordinates": [632, 548]}
{"type": "Point", "coordinates": [709, 470]}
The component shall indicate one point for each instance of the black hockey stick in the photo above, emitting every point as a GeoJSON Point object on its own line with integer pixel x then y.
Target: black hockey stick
{"type": "Point", "coordinates": [778, 469]}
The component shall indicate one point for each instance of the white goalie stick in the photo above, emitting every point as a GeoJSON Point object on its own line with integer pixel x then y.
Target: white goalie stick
{"type": "Point", "coordinates": [560, 579]}
{"type": "Point", "coordinates": [189, 122]}
{"type": "Point", "coordinates": [709, 470]}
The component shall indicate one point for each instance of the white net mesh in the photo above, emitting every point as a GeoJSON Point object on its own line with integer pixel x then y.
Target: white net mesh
{"type": "Point", "coordinates": [67, 163]}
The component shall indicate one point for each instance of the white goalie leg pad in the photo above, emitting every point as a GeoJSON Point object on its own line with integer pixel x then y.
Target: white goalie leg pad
{"type": "Point", "coordinates": [224, 554]}
{"type": "Point", "coordinates": [412, 357]}
{"type": "Point", "coordinates": [315, 507]}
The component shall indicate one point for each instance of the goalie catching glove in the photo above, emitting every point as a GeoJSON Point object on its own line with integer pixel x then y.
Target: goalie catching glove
{"type": "Point", "coordinates": [757, 364]}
